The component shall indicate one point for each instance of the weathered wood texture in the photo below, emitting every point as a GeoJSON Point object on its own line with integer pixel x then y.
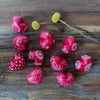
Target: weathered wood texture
{"type": "Point", "coordinates": [82, 13]}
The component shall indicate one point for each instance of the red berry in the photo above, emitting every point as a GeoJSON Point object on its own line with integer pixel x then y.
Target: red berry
{"type": "Point", "coordinates": [46, 40]}
{"type": "Point", "coordinates": [37, 56]}
{"type": "Point", "coordinates": [65, 78]}
{"type": "Point", "coordinates": [58, 63]}
{"type": "Point", "coordinates": [17, 63]}
{"type": "Point", "coordinates": [20, 42]}
{"type": "Point", "coordinates": [35, 76]}
{"type": "Point", "coordinates": [84, 63]}
{"type": "Point", "coordinates": [18, 25]}
{"type": "Point", "coordinates": [69, 45]}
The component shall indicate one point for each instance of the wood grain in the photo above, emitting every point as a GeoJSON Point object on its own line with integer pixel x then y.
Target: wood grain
{"type": "Point", "coordinates": [82, 13]}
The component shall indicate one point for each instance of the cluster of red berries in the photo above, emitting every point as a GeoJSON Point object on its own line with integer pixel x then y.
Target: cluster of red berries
{"type": "Point", "coordinates": [46, 42]}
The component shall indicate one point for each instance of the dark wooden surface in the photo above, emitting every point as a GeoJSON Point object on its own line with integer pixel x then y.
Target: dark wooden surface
{"type": "Point", "coordinates": [82, 13]}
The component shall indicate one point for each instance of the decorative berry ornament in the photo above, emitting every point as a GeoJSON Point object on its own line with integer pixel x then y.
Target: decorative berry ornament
{"type": "Point", "coordinates": [35, 25]}
{"type": "Point", "coordinates": [35, 76]}
{"type": "Point", "coordinates": [46, 40]}
{"type": "Point", "coordinates": [65, 78]}
{"type": "Point", "coordinates": [37, 56]}
{"type": "Point", "coordinates": [57, 63]}
{"type": "Point", "coordinates": [18, 24]}
{"type": "Point", "coordinates": [17, 63]}
{"type": "Point", "coordinates": [69, 45]}
{"type": "Point", "coordinates": [20, 42]}
{"type": "Point", "coordinates": [84, 63]}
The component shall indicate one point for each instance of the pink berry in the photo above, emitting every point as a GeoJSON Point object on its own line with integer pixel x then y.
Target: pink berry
{"type": "Point", "coordinates": [37, 56]}
{"type": "Point", "coordinates": [17, 63]}
{"type": "Point", "coordinates": [69, 45]}
{"type": "Point", "coordinates": [46, 40]}
{"type": "Point", "coordinates": [20, 42]}
{"type": "Point", "coordinates": [65, 78]}
{"type": "Point", "coordinates": [84, 63]}
{"type": "Point", "coordinates": [57, 63]}
{"type": "Point", "coordinates": [35, 76]}
{"type": "Point", "coordinates": [18, 25]}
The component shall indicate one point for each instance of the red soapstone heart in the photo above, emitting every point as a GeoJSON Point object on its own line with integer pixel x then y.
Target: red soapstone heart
{"type": "Point", "coordinates": [37, 56]}
{"type": "Point", "coordinates": [84, 63]}
{"type": "Point", "coordinates": [18, 25]}
{"type": "Point", "coordinates": [17, 63]}
{"type": "Point", "coordinates": [69, 45]}
{"type": "Point", "coordinates": [46, 40]}
{"type": "Point", "coordinates": [35, 76]}
{"type": "Point", "coordinates": [57, 63]}
{"type": "Point", "coordinates": [20, 42]}
{"type": "Point", "coordinates": [65, 78]}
